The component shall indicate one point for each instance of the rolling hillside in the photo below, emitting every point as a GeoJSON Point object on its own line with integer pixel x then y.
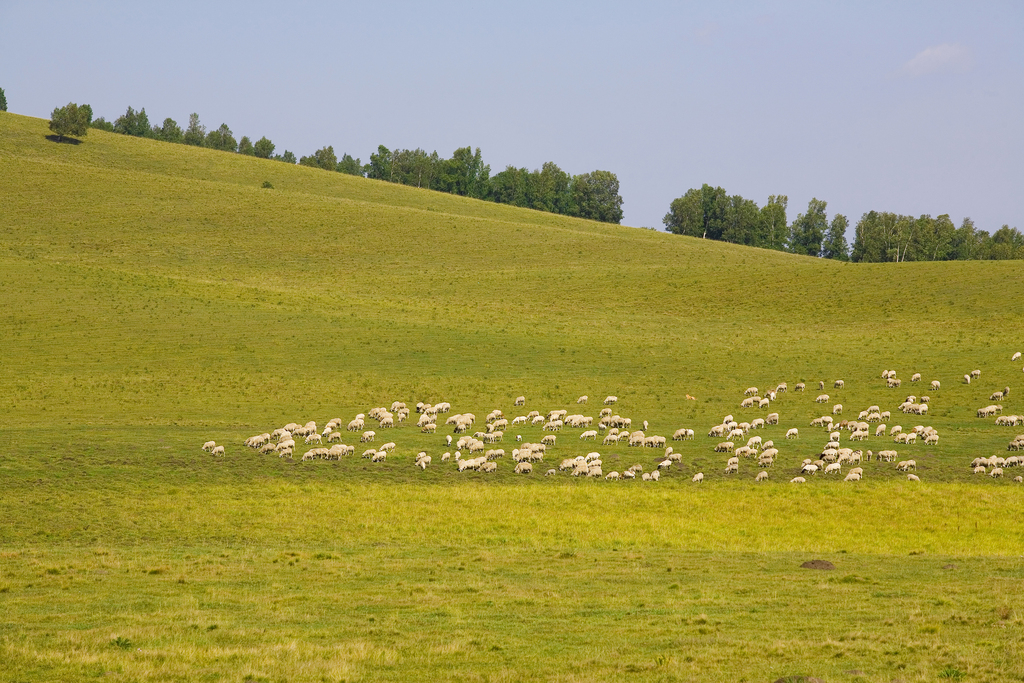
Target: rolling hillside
{"type": "Point", "coordinates": [158, 296]}
{"type": "Point", "coordinates": [168, 276]}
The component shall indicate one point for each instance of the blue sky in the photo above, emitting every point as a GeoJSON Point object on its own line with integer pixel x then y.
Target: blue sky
{"type": "Point", "coordinates": [912, 107]}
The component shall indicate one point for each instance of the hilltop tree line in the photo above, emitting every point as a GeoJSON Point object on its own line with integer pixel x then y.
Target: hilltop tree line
{"type": "Point", "coordinates": [137, 124]}
{"type": "Point", "coordinates": [711, 213]}
{"type": "Point", "coordinates": [589, 195]}
{"type": "Point", "coordinates": [708, 212]}
{"type": "Point", "coordinates": [885, 236]}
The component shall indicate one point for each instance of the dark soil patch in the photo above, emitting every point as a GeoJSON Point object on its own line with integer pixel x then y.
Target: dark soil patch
{"type": "Point", "coordinates": [817, 564]}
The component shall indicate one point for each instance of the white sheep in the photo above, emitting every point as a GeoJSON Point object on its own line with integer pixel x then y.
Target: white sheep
{"type": "Point", "coordinates": [913, 477]}
{"type": "Point", "coordinates": [797, 480]}
{"type": "Point", "coordinates": [210, 445]}
{"type": "Point", "coordinates": [793, 433]}
{"type": "Point", "coordinates": [217, 450]}
{"type": "Point", "coordinates": [761, 476]}
{"type": "Point", "coordinates": [610, 400]}
{"type": "Point", "coordinates": [698, 478]}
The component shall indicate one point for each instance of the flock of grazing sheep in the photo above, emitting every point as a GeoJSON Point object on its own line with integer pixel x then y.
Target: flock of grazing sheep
{"type": "Point", "coordinates": [741, 442]}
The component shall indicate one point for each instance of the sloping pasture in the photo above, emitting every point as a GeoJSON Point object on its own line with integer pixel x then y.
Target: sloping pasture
{"type": "Point", "coordinates": [156, 297]}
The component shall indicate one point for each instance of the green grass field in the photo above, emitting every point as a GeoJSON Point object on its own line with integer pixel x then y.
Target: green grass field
{"type": "Point", "coordinates": [157, 296]}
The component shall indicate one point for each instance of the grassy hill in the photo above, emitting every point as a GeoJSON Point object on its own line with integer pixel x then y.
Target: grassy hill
{"type": "Point", "coordinates": [157, 296]}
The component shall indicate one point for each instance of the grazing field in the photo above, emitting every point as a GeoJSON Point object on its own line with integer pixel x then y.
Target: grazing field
{"type": "Point", "coordinates": [156, 297]}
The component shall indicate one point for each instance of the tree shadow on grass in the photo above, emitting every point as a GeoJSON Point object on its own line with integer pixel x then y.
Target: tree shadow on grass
{"type": "Point", "coordinates": [65, 140]}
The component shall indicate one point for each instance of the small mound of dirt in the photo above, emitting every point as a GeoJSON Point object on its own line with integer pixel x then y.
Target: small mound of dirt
{"type": "Point", "coordinates": [817, 564]}
{"type": "Point", "coordinates": [949, 566]}
{"type": "Point", "coordinates": [799, 679]}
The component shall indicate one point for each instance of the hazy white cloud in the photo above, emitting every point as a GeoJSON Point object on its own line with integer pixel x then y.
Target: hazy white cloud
{"type": "Point", "coordinates": [947, 57]}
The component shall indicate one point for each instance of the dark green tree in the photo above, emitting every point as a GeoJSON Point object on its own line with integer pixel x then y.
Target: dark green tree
{"type": "Point", "coordinates": [808, 230]}
{"type": "Point", "coordinates": [349, 165]}
{"type": "Point", "coordinates": [933, 238]}
{"type": "Point", "coordinates": [741, 222]}
{"type": "Point", "coordinates": [102, 124]}
{"type": "Point", "coordinates": [596, 196]}
{"type": "Point", "coordinates": [416, 167]}
{"type": "Point", "coordinates": [685, 215]}
{"type": "Point", "coordinates": [222, 139]}
{"type": "Point", "coordinates": [965, 241]}
{"type": "Point", "coordinates": [774, 228]}
{"type": "Point", "coordinates": [3, 100]}
{"type": "Point", "coordinates": [867, 243]}
{"type": "Point", "coordinates": [1007, 243]}
{"type": "Point", "coordinates": [511, 186]}
{"type": "Point", "coordinates": [170, 131]}
{"type": "Point", "coordinates": [245, 146]}
{"type": "Point", "coordinates": [195, 134]}
{"type": "Point", "coordinates": [287, 157]}
{"type": "Point", "coordinates": [379, 167]}
{"type": "Point", "coordinates": [698, 213]}
{"type": "Point", "coordinates": [69, 121]}
{"type": "Point", "coordinates": [835, 246]}
{"type": "Point", "coordinates": [551, 189]}
{"type": "Point", "coordinates": [135, 123]}
{"type": "Point", "coordinates": [322, 158]}
{"type": "Point", "coordinates": [465, 174]}
{"type": "Point", "coordinates": [264, 148]}
{"type": "Point", "coordinates": [884, 236]}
